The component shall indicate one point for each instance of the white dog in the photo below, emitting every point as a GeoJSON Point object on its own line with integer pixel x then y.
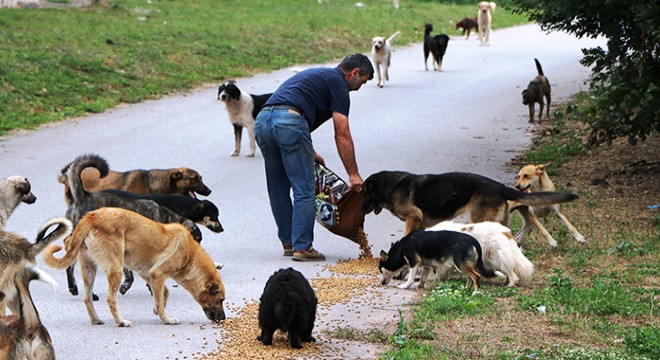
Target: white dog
{"type": "Point", "coordinates": [484, 20]}
{"type": "Point", "coordinates": [500, 249]}
{"type": "Point", "coordinates": [381, 52]}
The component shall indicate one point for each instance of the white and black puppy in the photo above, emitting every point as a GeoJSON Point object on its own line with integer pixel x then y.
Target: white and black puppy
{"type": "Point", "coordinates": [242, 108]}
{"type": "Point", "coordinates": [381, 54]}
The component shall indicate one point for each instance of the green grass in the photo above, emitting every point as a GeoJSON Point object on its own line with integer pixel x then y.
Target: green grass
{"type": "Point", "coordinates": [64, 62]}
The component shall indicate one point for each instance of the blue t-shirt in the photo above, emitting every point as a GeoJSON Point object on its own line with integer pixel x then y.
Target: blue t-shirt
{"type": "Point", "coordinates": [317, 92]}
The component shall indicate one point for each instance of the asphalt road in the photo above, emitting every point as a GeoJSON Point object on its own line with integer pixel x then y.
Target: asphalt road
{"type": "Point", "coordinates": [467, 118]}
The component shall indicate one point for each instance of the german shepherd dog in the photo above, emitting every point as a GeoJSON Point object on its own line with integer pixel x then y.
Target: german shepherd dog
{"type": "Point", "coordinates": [436, 250]}
{"type": "Point", "coordinates": [435, 45]}
{"type": "Point", "coordinates": [537, 89]}
{"type": "Point", "coordinates": [23, 336]}
{"type": "Point", "coordinates": [288, 303]}
{"type": "Point", "coordinates": [17, 253]}
{"type": "Point", "coordinates": [113, 238]}
{"type": "Point", "coordinates": [84, 201]}
{"type": "Point", "coordinates": [534, 178]}
{"type": "Point", "coordinates": [242, 108]}
{"type": "Point", "coordinates": [14, 190]}
{"type": "Point", "coordinates": [425, 200]}
{"type": "Point", "coordinates": [174, 181]}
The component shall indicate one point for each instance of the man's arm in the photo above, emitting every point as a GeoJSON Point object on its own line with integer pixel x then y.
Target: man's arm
{"type": "Point", "coordinates": [346, 150]}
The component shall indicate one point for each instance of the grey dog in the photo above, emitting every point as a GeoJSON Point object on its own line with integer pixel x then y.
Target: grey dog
{"type": "Point", "coordinates": [14, 190]}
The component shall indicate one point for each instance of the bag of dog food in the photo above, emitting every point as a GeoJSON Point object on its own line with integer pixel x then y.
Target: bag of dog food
{"type": "Point", "coordinates": [338, 208]}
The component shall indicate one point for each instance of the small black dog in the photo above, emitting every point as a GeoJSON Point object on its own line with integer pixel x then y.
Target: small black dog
{"type": "Point", "coordinates": [435, 45]}
{"type": "Point", "coordinates": [289, 304]}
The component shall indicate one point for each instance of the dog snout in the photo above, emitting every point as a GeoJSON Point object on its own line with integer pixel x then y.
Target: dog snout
{"type": "Point", "coordinates": [215, 314]}
{"type": "Point", "coordinates": [214, 226]}
{"type": "Point", "coordinates": [29, 198]}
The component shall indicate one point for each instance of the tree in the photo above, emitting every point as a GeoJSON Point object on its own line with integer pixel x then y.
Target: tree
{"type": "Point", "coordinates": [625, 76]}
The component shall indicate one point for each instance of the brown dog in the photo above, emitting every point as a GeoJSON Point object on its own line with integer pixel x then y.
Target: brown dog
{"type": "Point", "coordinates": [537, 89]}
{"type": "Point", "coordinates": [533, 178]}
{"type": "Point", "coordinates": [23, 336]}
{"type": "Point", "coordinates": [175, 181]}
{"type": "Point", "coordinates": [114, 238]}
{"type": "Point", "coordinates": [467, 24]}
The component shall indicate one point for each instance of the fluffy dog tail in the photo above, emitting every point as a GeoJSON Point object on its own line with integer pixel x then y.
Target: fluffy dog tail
{"type": "Point", "coordinates": [389, 39]}
{"type": "Point", "coordinates": [538, 67]}
{"type": "Point", "coordinates": [521, 264]}
{"type": "Point", "coordinates": [28, 313]}
{"type": "Point", "coordinates": [78, 192]}
{"type": "Point", "coordinates": [540, 198]}
{"type": "Point", "coordinates": [64, 228]}
{"type": "Point", "coordinates": [72, 246]}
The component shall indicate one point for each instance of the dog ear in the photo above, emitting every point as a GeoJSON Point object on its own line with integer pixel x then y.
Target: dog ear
{"type": "Point", "coordinates": [23, 187]}
{"type": "Point", "coordinates": [176, 176]}
{"type": "Point", "coordinates": [383, 255]}
{"type": "Point", "coordinates": [213, 289]}
{"type": "Point", "coordinates": [2, 296]}
{"type": "Point", "coordinates": [540, 169]}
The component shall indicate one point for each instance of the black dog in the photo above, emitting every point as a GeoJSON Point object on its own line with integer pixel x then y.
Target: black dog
{"type": "Point", "coordinates": [435, 45]}
{"type": "Point", "coordinates": [535, 92]}
{"type": "Point", "coordinates": [242, 108]}
{"type": "Point", "coordinates": [289, 304]}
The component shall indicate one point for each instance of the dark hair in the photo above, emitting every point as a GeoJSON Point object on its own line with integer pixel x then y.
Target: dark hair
{"type": "Point", "coordinates": [359, 61]}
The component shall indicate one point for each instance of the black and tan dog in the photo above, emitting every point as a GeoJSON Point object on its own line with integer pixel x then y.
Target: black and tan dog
{"type": "Point", "coordinates": [23, 336]}
{"type": "Point", "coordinates": [175, 181]}
{"type": "Point", "coordinates": [288, 303]}
{"type": "Point", "coordinates": [422, 251]}
{"type": "Point", "coordinates": [14, 190]}
{"type": "Point", "coordinates": [425, 200]}
{"type": "Point", "coordinates": [84, 201]}
{"type": "Point", "coordinates": [113, 238]}
{"type": "Point", "coordinates": [434, 45]}
{"type": "Point", "coordinates": [537, 89]}
{"type": "Point", "coordinates": [17, 253]}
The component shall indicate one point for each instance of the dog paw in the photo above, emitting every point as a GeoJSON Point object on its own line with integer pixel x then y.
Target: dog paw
{"type": "Point", "coordinates": [95, 297]}
{"type": "Point", "coordinates": [125, 323]}
{"type": "Point", "coordinates": [172, 322]}
{"type": "Point", "coordinates": [97, 322]}
{"type": "Point", "coordinates": [250, 155]}
{"type": "Point", "coordinates": [580, 238]}
{"type": "Point", "coordinates": [234, 153]}
{"type": "Point", "coordinates": [124, 288]}
{"type": "Point", "coordinates": [73, 290]}
{"type": "Point", "coordinates": [403, 286]}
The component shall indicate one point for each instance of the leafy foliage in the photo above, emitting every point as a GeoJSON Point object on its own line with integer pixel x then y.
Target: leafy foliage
{"type": "Point", "coordinates": [625, 76]}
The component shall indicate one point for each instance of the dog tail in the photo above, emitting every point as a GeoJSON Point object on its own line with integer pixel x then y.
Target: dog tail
{"type": "Point", "coordinates": [393, 36]}
{"type": "Point", "coordinates": [539, 198]}
{"type": "Point", "coordinates": [75, 169]}
{"type": "Point", "coordinates": [286, 309]}
{"type": "Point", "coordinates": [73, 246]}
{"type": "Point", "coordinates": [28, 313]}
{"type": "Point", "coordinates": [538, 67]}
{"type": "Point", "coordinates": [64, 228]}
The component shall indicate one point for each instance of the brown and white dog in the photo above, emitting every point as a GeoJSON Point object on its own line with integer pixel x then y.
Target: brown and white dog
{"type": "Point", "coordinates": [113, 238]}
{"type": "Point", "coordinates": [533, 178]}
{"type": "Point", "coordinates": [484, 18]}
{"type": "Point", "coordinates": [381, 54]}
{"type": "Point", "coordinates": [14, 190]}
{"type": "Point", "coordinates": [467, 24]}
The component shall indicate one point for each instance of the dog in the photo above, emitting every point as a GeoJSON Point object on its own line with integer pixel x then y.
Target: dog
{"type": "Point", "coordinates": [23, 336]}
{"type": "Point", "coordinates": [14, 190]}
{"type": "Point", "coordinates": [537, 89]}
{"type": "Point", "coordinates": [533, 178]}
{"type": "Point", "coordinates": [435, 45]}
{"type": "Point", "coordinates": [113, 238]}
{"type": "Point", "coordinates": [17, 253]}
{"type": "Point", "coordinates": [484, 19]}
{"type": "Point", "coordinates": [467, 24]}
{"type": "Point", "coordinates": [381, 54]}
{"type": "Point", "coordinates": [433, 250]}
{"type": "Point", "coordinates": [84, 201]}
{"type": "Point", "coordinates": [174, 181]}
{"type": "Point", "coordinates": [500, 249]}
{"type": "Point", "coordinates": [425, 200]}
{"type": "Point", "coordinates": [242, 108]}
{"type": "Point", "coordinates": [288, 303]}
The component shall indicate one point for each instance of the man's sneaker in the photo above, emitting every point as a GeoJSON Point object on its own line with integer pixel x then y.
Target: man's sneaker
{"type": "Point", "coordinates": [288, 250]}
{"type": "Point", "coordinates": [310, 254]}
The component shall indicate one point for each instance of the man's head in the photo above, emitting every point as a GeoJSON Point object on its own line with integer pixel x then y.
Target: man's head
{"type": "Point", "coordinates": [357, 70]}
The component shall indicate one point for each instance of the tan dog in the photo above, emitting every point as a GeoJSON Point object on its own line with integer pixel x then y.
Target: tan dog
{"type": "Point", "coordinates": [533, 178]}
{"type": "Point", "coordinates": [23, 336]}
{"type": "Point", "coordinates": [13, 191]}
{"type": "Point", "coordinates": [381, 54]}
{"type": "Point", "coordinates": [484, 18]}
{"type": "Point", "coordinates": [113, 238]}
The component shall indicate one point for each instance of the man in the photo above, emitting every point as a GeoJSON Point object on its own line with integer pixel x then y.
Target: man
{"type": "Point", "coordinates": [283, 131]}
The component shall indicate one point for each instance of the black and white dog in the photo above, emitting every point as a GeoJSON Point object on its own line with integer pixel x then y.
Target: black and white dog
{"type": "Point", "coordinates": [242, 108]}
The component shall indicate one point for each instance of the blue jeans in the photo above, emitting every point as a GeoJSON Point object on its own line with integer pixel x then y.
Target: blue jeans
{"type": "Point", "coordinates": [286, 145]}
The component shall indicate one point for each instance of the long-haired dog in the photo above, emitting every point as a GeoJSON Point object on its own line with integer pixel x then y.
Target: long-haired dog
{"type": "Point", "coordinates": [242, 108]}
{"type": "Point", "coordinates": [484, 18]}
{"type": "Point", "coordinates": [537, 89]}
{"type": "Point", "coordinates": [288, 303]}
{"type": "Point", "coordinates": [112, 238]}
{"type": "Point", "coordinates": [422, 251]}
{"type": "Point", "coordinates": [22, 335]}
{"type": "Point", "coordinates": [14, 190]}
{"type": "Point", "coordinates": [467, 24]}
{"type": "Point", "coordinates": [381, 54]}
{"type": "Point", "coordinates": [17, 253]}
{"type": "Point", "coordinates": [534, 178]}
{"type": "Point", "coordinates": [434, 45]}
{"type": "Point", "coordinates": [500, 249]}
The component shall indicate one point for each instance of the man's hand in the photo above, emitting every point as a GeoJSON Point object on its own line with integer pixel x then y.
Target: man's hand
{"type": "Point", "coordinates": [319, 159]}
{"type": "Point", "coordinates": [355, 182]}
